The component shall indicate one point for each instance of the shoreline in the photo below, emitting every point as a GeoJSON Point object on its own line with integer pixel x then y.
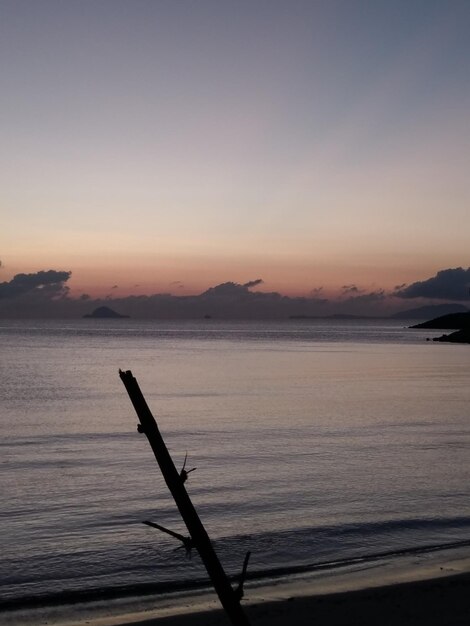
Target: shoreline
{"type": "Point", "coordinates": [428, 588]}
{"type": "Point", "coordinates": [202, 586]}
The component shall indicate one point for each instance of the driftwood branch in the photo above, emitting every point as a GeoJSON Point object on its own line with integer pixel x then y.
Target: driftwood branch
{"type": "Point", "coordinates": [229, 598]}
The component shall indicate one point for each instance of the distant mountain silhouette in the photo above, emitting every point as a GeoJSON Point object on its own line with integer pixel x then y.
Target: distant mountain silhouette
{"type": "Point", "coordinates": [104, 312]}
{"type": "Point", "coordinates": [335, 316]}
{"type": "Point", "coordinates": [431, 310]}
{"type": "Point", "coordinates": [452, 321]}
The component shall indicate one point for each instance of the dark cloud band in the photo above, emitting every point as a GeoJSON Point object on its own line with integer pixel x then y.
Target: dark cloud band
{"type": "Point", "coordinates": [24, 283]}
{"type": "Point", "coordinates": [449, 284]}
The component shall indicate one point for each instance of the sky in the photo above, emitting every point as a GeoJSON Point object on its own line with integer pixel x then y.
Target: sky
{"type": "Point", "coordinates": [154, 147]}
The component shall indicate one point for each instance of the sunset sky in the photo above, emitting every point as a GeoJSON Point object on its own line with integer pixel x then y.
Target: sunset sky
{"type": "Point", "coordinates": [168, 146]}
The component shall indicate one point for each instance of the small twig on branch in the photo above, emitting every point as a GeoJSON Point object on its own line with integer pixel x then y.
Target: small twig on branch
{"type": "Point", "coordinates": [239, 590]}
{"type": "Point", "coordinates": [184, 472]}
{"type": "Point", "coordinates": [186, 541]}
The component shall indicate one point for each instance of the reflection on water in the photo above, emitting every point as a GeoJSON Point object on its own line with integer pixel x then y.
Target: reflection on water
{"type": "Point", "coordinates": [307, 448]}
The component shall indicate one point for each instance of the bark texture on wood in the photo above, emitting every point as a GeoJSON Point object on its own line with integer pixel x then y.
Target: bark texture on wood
{"type": "Point", "coordinates": [175, 482]}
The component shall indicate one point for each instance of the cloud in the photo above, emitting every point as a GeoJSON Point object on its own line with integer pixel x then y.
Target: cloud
{"type": "Point", "coordinates": [348, 289]}
{"type": "Point", "coordinates": [372, 296]}
{"type": "Point", "coordinates": [449, 284]}
{"type": "Point", "coordinates": [231, 289]}
{"type": "Point", "coordinates": [253, 283]}
{"type": "Point", "coordinates": [225, 289]}
{"type": "Point", "coordinates": [46, 283]}
{"type": "Point", "coordinates": [45, 294]}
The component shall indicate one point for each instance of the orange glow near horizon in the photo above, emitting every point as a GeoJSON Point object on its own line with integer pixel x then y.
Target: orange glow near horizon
{"type": "Point", "coordinates": [119, 276]}
{"type": "Point", "coordinates": [195, 279]}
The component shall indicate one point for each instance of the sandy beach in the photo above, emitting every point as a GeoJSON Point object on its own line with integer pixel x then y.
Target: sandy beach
{"type": "Point", "coordinates": [442, 601]}
{"type": "Point", "coordinates": [431, 589]}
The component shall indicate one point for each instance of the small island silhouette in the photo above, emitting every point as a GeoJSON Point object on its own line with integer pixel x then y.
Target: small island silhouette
{"type": "Point", "coordinates": [458, 321]}
{"type": "Point", "coordinates": [104, 312]}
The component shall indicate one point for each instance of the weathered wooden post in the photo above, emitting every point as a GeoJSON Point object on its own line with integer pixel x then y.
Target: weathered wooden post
{"type": "Point", "coordinates": [229, 598]}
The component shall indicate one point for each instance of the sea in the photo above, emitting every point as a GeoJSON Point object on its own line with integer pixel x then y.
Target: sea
{"type": "Point", "coordinates": [316, 443]}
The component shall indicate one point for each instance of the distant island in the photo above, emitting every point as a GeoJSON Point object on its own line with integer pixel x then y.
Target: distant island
{"type": "Point", "coordinates": [335, 316]}
{"type": "Point", "coordinates": [104, 312]}
{"type": "Point", "coordinates": [458, 321]}
{"type": "Point", "coordinates": [430, 311]}
{"type": "Point", "coordinates": [419, 313]}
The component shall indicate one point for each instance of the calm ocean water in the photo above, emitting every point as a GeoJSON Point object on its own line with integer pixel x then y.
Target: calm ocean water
{"type": "Point", "coordinates": [314, 442]}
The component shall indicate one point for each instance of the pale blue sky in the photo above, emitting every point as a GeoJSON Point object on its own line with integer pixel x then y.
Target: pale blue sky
{"type": "Point", "coordinates": [313, 143]}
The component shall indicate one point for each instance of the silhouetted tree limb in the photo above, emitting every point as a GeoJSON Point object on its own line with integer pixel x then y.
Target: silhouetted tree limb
{"type": "Point", "coordinates": [229, 598]}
